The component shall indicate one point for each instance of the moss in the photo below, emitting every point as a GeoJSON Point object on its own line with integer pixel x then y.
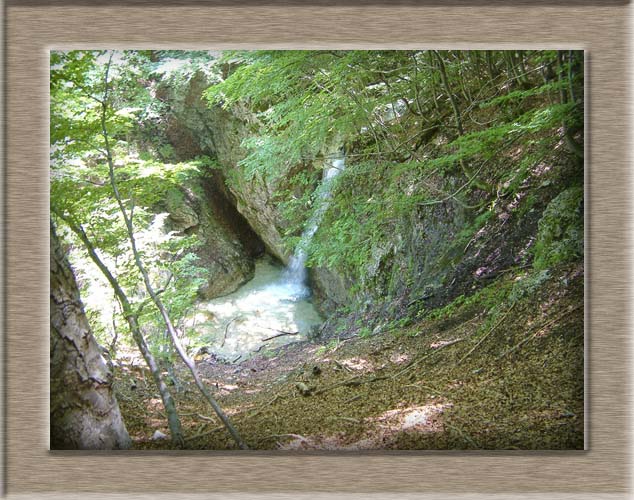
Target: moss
{"type": "Point", "coordinates": [560, 234]}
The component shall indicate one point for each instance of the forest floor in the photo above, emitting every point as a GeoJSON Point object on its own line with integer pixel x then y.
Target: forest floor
{"type": "Point", "coordinates": [491, 373]}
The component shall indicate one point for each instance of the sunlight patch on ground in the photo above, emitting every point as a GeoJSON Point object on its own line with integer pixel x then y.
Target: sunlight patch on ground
{"type": "Point", "coordinates": [442, 343]}
{"type": "Point", "coordinates": [398, 358]}
{"type": "Point", "coordinates": [156, 403]}
{"type": "Point", "coordinates": [387, 427]}
{"type": "Point", "coordinates": [239, 409]}
{"type": "Point", "coordinates": [421, 418]}
{"type": "Point", "coordinates": [359, 364]}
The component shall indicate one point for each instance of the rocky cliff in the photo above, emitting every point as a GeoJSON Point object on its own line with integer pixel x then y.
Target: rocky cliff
{"type": "Point", "coordinates": [422, 257]}
{"type": "Point", "coordinates": [193, 128]}
{"type": "Point", "coordinates": [226, 246]}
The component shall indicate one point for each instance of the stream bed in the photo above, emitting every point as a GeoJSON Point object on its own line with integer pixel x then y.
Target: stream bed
{"type": "Point", "coordinates": [272, 304]}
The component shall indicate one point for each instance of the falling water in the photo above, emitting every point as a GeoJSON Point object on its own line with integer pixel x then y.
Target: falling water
{"type": "Point", "coordinates": [296, 273]}
{"type": "Point", "coordinates": [272, 309]}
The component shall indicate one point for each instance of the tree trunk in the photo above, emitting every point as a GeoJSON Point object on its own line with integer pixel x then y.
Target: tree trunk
{"type": "Point", "coordinates": [83, 410]}
{"type": "Point", "coordinates": [452, 98]}
{"type": "Point", "coordinates": [127, 218]}
{"type": "Point", "coordinates": [564, 94]}
{"type": "Point", "coordinates": [471, 177]}
{"type": "Point", "coordinates": [131, 317]}
{"type": "Point", "coordinates": [489, 60]}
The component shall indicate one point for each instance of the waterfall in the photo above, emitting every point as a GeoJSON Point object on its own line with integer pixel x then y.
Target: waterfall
{"type": "Point", "coordinates": [296, 273]}
{"type": "Point", "coordinates": [274, 300]}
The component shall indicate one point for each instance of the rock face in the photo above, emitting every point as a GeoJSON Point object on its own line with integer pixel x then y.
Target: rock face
{"type": "Point", "coordinates": [407, 264]}
{"type": "Point", "coordinates": [423, 254]}
{"type": "Point", "coordinates": [84, 412]}
{"type": "Point", "coordinates": [416, 260]}
{"type": "Point", "coordinates": [560, 235]}
{"type": "Point", "coordinates": [193, 129]}
{"type": "Point", "coordinates": [420, 262]}
{"type": "Point", "coordinates": [330, 289]}
{"type": "Point", "coordinates": [228, 245]}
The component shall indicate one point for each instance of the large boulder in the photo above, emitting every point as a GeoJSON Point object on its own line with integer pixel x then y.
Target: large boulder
{"type": "Point", "coordinates": [193, 128]}
{"type": "Point", "coordinates": [330, 289]}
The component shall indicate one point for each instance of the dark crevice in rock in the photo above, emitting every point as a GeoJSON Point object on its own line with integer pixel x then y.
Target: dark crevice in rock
{"type": "Point", "coordinates": [223, 205]}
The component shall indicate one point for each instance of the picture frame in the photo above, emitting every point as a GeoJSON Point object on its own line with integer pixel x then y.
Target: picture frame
{"type": "Point", "coordinates": [33, 27]}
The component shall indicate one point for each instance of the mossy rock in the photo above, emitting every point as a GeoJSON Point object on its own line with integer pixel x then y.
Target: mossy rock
{"type": "Point", "coordinates": [560, 233]}
{"type": "Point", "coordinates": [182, 214]}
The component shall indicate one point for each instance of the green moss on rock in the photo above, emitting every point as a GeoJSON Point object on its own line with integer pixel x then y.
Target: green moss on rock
{"type": "Point", "coordinates": [560, 234]}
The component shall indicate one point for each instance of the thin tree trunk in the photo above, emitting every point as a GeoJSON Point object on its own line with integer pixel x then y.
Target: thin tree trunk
{"type": "Point", "coordinates": [433, 82]}
{"type": "Point", "coordinates": [474, 58]}
{"type": "Point", "coordinates": [146, 278]}
{"type": "Point", "coordinates": [454, 104]}
{"type": "Point", "coordinates": [571, 90]}
{"type": "Point", "coordinates": [416, 92]}
{"type": "Point", "coordinates": [465, 91]}
{"type": "Point", "coordinates": [452, 98]}
{"type": "Point", "coordinates": [522, 66]}
{"type": "Point", "coordinates": [573, 146]}
{"type": "Point", "coordinates": [510, 69]}
{"type": "Point", "coordinates": [489, 60]}
{"type": "Point", "coordinates": [132, 320]}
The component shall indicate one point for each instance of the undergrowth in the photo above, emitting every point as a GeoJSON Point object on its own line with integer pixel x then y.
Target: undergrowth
{"type": "Point", "coordinates": [502, 369]}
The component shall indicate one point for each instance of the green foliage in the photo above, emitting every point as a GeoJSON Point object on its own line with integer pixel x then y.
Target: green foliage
{"type": "Point", "coordinates": [483, 148]}
{"type": "Point", "coordinates": [174, 199]}
{"type": "Point", "coordinates": [526, 286]}
{"type": "Point", "coordinates": [360, 217]}
{"type": "Point", "coordinates": [469, 230]}
{"type": "Point", "coordinates": [81, 192]}
{"type": "Point", "coordinates": [307, 100]}
{"type": "Point", "coordinates": [417, 145]}
{"type": "Point", "coordinates": [491, 298]}
{"type": "Point", "coordinates": [364, 332]}
{"type": "Point", "coordinates": [166, 151]}
{"type": "Point", "coordinates": [560, 234]}
{"type": "Point", "coordinates": [520, 95]}
{"type": "Point", "coordinates": [177, 67]}
{"type": "Point", "coordinates": [383, 105]}
{"type": "Point", "coordinates": [332, 345]}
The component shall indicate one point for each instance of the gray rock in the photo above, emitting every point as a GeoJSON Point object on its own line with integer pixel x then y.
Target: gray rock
{"type": "Point", "coordinates": [158, 435]}
{"type": "Point", "coordinates": [196, 208]}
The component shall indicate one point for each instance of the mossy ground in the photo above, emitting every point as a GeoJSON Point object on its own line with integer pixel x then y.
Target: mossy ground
{"type": "Point", "coordinates": [477, 376]}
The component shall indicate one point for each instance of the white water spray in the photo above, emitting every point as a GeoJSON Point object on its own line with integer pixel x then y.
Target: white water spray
{"type": "Point", "coordinates": [296, 274]}
{"type": "Point", "coordinates": [275, 302]}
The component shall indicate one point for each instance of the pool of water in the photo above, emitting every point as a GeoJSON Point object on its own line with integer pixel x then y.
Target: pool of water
{"type": "Point", "coordinates": [236, 326]}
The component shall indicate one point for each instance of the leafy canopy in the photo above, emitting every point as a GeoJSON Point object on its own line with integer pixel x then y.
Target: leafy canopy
{"type": "Point", "coordinates": [420, 128]}
{"type": "Point", "coordinates": [82, 195]}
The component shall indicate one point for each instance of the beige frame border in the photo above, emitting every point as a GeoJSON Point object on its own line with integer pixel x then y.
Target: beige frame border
{"type": "Point", "coordinates": [601, 472]}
